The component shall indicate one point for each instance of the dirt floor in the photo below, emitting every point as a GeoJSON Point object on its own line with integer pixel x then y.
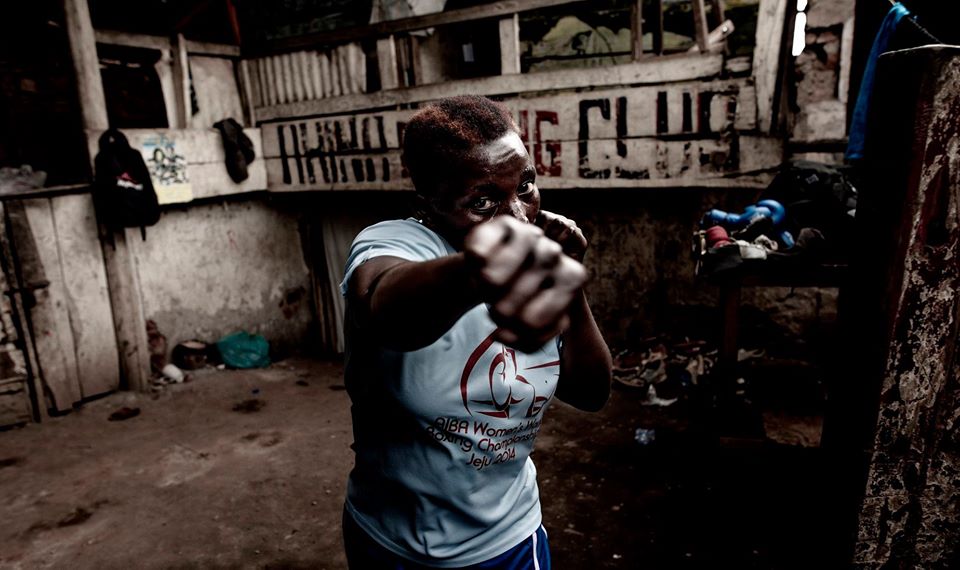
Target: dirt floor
{"type": "Point", "coordinates": [247, 469]}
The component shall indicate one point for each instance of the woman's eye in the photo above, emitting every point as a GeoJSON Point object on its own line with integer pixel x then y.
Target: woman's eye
{"type": "Point", "coordinates": [527, 188]}
{"type": "Point", "coordinates": [483, 204]}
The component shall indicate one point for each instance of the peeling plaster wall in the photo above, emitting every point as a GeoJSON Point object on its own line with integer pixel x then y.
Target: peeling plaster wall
{"type": "Point", "coordinates": [821, 77]}
{"type": "Point", "coordinates": [642, 270]}
{"type": "Point", "coordinates": [211, 269]}
{"type": "Point", "coordinates": [218, 97]}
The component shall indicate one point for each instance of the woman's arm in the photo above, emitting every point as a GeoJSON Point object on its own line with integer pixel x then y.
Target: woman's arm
{"type": "Point", "coordinates": [585, 362]}
{"type": "Point", "coordinates": [407, 305]}
{"type": "Point", "coordinates": [529, 283]}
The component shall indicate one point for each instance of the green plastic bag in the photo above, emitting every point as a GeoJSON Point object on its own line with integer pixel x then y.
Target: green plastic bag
{"type": "Point", "coordinates": [244, 350]}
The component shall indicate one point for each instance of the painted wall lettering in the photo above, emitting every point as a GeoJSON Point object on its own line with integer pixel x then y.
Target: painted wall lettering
{"type": "Point", "coordinates": [604, 138]}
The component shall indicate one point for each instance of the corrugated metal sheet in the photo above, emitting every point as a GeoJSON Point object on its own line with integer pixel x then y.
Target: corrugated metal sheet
{"type": "Point", "coordinates": [309, 75]}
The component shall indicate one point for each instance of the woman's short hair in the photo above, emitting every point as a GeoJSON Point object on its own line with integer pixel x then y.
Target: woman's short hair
{"type": "Point", "coordinates": [443, 132]}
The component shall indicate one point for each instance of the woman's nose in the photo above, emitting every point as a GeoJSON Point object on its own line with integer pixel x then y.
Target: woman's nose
{"type": "Point", "coordinates": [515, 209]}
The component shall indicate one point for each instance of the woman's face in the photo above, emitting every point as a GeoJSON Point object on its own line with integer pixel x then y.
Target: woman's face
{"type": "Point", "coordinates": [494, 179]}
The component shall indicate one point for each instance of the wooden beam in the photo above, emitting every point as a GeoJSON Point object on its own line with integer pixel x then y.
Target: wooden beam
{"type": "Point", "coordinates": [667, 69]}
{"type": "Point", "coordinates": [700, 26]}
{"type": "Point", "coordinates": [387, 63]}
{"type": "Point", "coordinates": [247, 93]}
{"type": "Point", "coordinates": [234, 22]}
{"type": "Point", "coordinates": [119, 264]}
{"type": "Point", "coordinates": [846, 60]}
{"type": "Point", "coordinates": [83, 50]}
{"type": "Point", "coordinates": [719, 13]}
{"type": "Point", "coordinates": [510, 45]}
{"type": "Point", "coordinates": [658, 27]}
{"type": "Point", "coordinates": [211, 49]}
{"type": "Point", "coordinates": [385, 28]}
{"type": "Point", "coordinates": [766, 58]}
{"type": "Point", "coordinates": [181, 81]}
{"type": "Point", "coordinates": [118, 38]}
{"type": "Point", "coordinates": [636, 29]}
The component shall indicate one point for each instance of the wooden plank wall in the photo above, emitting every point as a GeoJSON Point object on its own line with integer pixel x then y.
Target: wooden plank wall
{"type": "Point", "coordinates": [690, 133]}
{"type": "Point", "coordinates": [62, 269]}
{"type": "Point", "coordinates": [202, 152]}
{"type": "Point", "coordinates": [906, 309]}
{"type": "Point", "coordinates": [767, 57]}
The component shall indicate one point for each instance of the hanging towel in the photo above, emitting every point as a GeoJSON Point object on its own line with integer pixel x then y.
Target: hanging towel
{"type": "Point", "coordinates": [858, 125]}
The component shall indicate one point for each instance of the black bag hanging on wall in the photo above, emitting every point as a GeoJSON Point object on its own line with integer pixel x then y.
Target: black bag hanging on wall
{"type": "Point", "coordinates": [123, 193]}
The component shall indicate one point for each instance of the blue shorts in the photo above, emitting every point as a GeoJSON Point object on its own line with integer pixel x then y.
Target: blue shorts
{"type": "Point", "coordinates": [364, 553]}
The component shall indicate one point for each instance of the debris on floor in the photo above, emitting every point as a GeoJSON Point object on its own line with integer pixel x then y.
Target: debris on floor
{"type": "Point", "coordinates": [194, 354]}
{"type": "Point", "coordinates": [244, 350]}
{"type": "Point", "coordinates": [645, 436]}
{"type": "Point", "coordinates": [249, 406]}
{"type": "Point", "coordinates": [124, 413]}
{"type": "Point", "coordinates": [664, 371]}
{"type": "Point", "coordinates": [157, 344]}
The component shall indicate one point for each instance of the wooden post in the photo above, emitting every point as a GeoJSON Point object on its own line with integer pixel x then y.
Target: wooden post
{"type": "Point", "coordinates": [83, 50]}
{"type": "Point", "coordinates": [510, 45]}
{"type": "Point", "coordinates": [719, 14]}
{"type": "Point", "coordinates": [387, 63]}
{"type": "Point", "coordinates": [700, 26]}
{"type": "Point", "coordinates": [766, 59]}
{"type": "Point", "coordinates": [730, 298]}
{"type": "Point", "coordinates": [658, 27]}
{"type": "Point", "coordinates": [181, 82]}
{"type": "Point", "coordinates": [905, 363]}
{"type": "Point", "coordinates": [119, 262]}
{"type": "Point", "coordinates": [247, 92]}
{"type": "Point", "coordinates": [636, 29]}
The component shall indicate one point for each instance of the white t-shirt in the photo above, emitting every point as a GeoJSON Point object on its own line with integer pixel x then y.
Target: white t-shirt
{"type": "Point", "coordinates": [443, 434]}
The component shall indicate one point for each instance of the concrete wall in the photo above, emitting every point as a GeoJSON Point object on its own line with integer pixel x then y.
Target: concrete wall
{"type": "Point", "coordinates": [820, 82]}
{"type": "Point", "coordinates": [642, 270]}
{"type": "Point", "coordinates": [215, 84]}
{"type": "Point", "coordinates": [210, 269]}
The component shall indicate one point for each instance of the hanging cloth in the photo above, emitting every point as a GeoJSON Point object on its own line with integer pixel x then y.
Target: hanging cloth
{"type": "Point", "coordinates": [858, 125]}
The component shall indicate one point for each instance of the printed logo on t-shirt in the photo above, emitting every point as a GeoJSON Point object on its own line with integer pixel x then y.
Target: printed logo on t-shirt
{"type": "Point", "coordinates": [505, 393]}
{"type": "Point", "coordinates": [505, 398]}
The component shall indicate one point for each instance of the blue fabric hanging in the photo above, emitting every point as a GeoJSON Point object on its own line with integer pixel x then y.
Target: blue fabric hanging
{"type": "Point", "coordinates": [858, 125]}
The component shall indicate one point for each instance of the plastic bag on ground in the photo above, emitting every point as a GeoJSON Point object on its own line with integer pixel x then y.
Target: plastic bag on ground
{"type": "Point", "coordinates": [244, 350]}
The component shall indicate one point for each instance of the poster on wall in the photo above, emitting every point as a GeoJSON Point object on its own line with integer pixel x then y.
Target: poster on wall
{"type": "Point", "coordinates": [168, 170]}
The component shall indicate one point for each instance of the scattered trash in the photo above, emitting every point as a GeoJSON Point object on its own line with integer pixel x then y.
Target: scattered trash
{"type": "Point", "coordinates": [124, 413]}
{"type": "Point", "coordinates": [78, 515]}
{"type": "Point", "coordinates": [653, 400]}
{"type": "Point", "coordinates": [244, 350]}
{"type": "Point", "coordinates": [192, 354]}
{"type": "Point", "coordinates": [13, 180]}
{"type": "Point", "coordinates": [10, 462]}
{"type": "Point", "coordinates": [249, 406]}
{"type": "Point", "coordinates": [664, 371]}
{"type": "Point", "coordinates": [157, 345]}
{"type": "Point", "coordinates": [173, 374]}
{"type": "Point", "coordinates": [645, 436]}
